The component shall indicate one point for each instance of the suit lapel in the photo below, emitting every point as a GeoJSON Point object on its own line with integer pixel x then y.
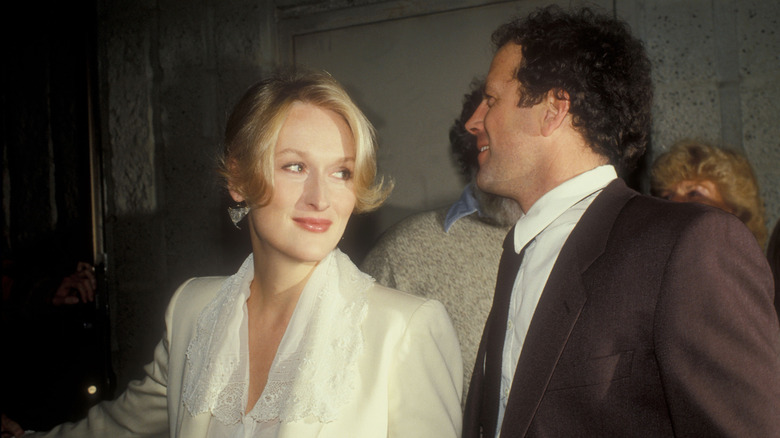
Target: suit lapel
{"type": "Point", "coordinates": [559, 307]}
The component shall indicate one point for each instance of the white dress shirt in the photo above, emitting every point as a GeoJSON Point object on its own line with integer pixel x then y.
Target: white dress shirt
{"type": "Point", "coordinates": [544, 228]}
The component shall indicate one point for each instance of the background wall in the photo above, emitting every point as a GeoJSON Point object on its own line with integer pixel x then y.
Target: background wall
{"type": "Point", "coordinates": [409, 74]}
{"type": "Point", "coordinates": [170, 70]}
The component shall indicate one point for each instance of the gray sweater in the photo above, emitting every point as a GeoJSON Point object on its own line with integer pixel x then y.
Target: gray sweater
{"type": "Point", "coordinates": [457, 268]}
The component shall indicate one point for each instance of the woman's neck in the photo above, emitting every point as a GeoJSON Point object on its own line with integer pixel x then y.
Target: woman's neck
{"type": "Point", "coordinates": [277, 284]}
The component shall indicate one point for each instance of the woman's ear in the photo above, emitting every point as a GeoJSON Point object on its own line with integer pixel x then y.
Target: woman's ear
{"type": "Point", "coordinates": [235, 194]}
{"type": "Point", "coordinates": [232, 167]}
{"type": "Point", "coordinates": [557, 106]}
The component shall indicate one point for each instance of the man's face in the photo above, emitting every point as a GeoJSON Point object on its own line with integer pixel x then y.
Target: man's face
{"type": "Point", "coordinates": [511, 159]}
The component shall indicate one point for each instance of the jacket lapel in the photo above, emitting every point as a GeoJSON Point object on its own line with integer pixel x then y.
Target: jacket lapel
{"type": "Point", "coordinates": [559, 307]}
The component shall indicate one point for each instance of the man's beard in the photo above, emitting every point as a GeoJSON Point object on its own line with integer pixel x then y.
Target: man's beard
{"type": "Point", "coordinates": [497, 210]}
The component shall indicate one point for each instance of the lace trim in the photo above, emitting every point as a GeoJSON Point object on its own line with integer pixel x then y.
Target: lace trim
{"type": "Point", "coordinates": [315, 370]}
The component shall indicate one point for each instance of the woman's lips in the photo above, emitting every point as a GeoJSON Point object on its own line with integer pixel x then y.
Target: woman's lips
{"type": "Point", "coordinates": [313, 224]}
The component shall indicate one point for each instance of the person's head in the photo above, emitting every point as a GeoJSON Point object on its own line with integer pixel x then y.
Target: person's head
{"type": "Point", "coordinates": [694, 171]}
{"type": "Point", "coordinates": [302, 156]}
{"type": "Point", "coordinates": [464, 145]}
{"type": "Point", "coordinates": [561, 78]}
{"type": "Point", "coordinates": [253, 128]}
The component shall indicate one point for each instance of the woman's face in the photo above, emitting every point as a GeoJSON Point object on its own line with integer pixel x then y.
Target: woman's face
{"type": "Point", "coordinates": [313, 194]}
{"type": "Point", "coordinates": [702, 191]}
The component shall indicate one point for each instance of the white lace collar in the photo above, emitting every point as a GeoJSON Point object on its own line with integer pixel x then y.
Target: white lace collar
{"type": "Point", "coordinates": [315, 368]}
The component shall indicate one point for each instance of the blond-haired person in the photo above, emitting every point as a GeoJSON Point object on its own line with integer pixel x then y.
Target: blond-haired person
{"type": "Point", "coordinates": [299, 342]}
{"type": "Point", "coordinates": [695, 171]}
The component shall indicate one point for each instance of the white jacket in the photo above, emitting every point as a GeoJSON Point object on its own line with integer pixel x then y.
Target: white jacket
{"type": "Point", "coordinates": [409, 385]}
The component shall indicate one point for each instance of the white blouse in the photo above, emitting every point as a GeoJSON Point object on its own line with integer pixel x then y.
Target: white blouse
{"type": "Point", "coordinates": [314, 371]}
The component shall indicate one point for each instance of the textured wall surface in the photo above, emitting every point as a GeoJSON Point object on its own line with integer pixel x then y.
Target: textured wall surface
{"type": "Point", "coordinates": [717, 77]}
{"type": "Point", "coordinates": [171, 69]}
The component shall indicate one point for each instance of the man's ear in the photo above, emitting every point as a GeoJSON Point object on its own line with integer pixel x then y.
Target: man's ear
{"type": "Point", "coordinates": [556, 109]}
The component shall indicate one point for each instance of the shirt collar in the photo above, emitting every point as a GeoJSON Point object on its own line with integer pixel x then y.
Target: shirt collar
{"type": "Point", "coordinates": [555, 202]}
{"type": "Point", "coordinates": [466, 205]}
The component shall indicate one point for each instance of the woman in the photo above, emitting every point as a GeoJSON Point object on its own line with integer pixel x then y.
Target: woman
{"type": "Point", "coordinates": [694, 171]}
{"type": "Point", "coordinates": [299, 342]}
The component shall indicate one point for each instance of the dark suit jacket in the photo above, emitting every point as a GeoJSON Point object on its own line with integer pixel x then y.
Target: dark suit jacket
{"type": "Point", "coordinates": [656, 320]}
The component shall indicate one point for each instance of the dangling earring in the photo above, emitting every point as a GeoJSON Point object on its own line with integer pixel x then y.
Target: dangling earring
{"type": "Point", "coordinates": [238, 212]}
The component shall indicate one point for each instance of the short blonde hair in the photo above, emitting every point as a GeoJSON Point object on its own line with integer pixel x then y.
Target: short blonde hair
{"type": "Point", "coordinates": [730, 171]}
{"type": "Point", "coordinates": [253, 128]}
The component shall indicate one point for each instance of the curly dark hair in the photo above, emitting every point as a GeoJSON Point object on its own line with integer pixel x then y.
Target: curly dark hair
{"type": "Point", "coordinates": [463, 144]}
{"type": "Point", "coordinates": [602, 68]}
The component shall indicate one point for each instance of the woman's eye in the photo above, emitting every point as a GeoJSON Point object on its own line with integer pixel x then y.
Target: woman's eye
{"type": "Point", "coordinates": [294, 167]}
{"type": "Point", "coordinates": [344, 174]}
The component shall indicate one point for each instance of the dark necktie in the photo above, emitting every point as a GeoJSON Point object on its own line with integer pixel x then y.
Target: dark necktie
{"type": "Point", "coordinates": [495, 333]}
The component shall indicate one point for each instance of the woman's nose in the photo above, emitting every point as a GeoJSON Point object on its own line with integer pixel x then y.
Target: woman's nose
{"type": "Point", "coordinates": [315, 192]}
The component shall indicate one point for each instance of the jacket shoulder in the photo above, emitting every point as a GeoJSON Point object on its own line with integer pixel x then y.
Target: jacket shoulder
{"type": "Point", "coordinates": [394, 306]}
{"type": "Point", "coordinates": [626, 206]}
{"type": "Point", "coordinates": [676, 217]}
{"type": "Point", "coordinates": [194, 294]}
{"type": "Point", "coordinates": [391, 299]}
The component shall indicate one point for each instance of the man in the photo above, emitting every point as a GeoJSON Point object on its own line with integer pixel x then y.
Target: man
{"type": "Point", "coordinates": [628, 315]}
{"type": "Point", "coordinates": [451, 254]}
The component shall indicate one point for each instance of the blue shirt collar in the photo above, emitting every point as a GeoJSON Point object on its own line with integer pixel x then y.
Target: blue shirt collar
{"type": "Point", "coordinates": [466, 205]}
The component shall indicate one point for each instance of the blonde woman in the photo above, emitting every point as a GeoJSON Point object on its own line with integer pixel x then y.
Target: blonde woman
{"type": "Point", "coordinates": [299, 342]}
{"type": "Point", "coordinates": [694, 171]}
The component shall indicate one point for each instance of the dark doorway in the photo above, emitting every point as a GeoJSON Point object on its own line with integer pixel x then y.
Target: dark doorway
{"type": "Point", "coordinates": [52, 355]}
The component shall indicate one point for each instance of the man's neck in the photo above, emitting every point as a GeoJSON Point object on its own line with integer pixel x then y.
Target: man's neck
{"type": "Point", "coordinates": [561, 171]}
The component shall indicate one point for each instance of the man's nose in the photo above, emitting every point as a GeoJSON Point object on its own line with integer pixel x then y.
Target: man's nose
{"type": "Point", "coordinates": [475, 123]}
